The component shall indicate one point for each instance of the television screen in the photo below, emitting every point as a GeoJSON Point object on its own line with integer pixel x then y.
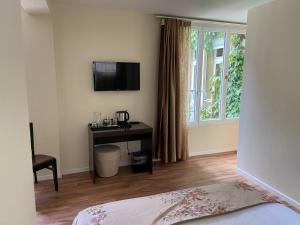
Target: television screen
{"type": "Point", "coordinates": [115, 76]}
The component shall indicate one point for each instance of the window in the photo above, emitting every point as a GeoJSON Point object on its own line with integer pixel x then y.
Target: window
{"type": "Point", "coordinates": [215, 82]}
{"type": "Point", "coordinates": [192, 90]}
{"type": "Point", "coordinates": [212, 72]}
{"type": "Point", "coordinates": [235, 75]}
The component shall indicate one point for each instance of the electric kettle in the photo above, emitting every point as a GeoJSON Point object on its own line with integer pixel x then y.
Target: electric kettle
{"type": "Point", "coordinates": [122, 117]}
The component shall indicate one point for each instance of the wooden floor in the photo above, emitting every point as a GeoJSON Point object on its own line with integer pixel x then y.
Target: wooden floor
{"type": "Point", "coordinates": [77, 192]}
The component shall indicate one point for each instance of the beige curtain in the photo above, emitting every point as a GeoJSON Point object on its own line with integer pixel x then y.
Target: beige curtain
{"type": "Point", "coordinates": [172, 144]}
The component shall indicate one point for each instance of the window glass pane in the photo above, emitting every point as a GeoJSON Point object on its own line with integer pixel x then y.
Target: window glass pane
{"type": "Point", "coordinates": [192, 92]}
{"type": "Point", "coordinates": [212, 73]}
{"type": "Point", "coordinates": [235, 75]}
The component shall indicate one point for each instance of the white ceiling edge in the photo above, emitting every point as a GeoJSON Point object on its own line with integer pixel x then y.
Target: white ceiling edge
{"type": "Point", "coordinates": [39, 7]}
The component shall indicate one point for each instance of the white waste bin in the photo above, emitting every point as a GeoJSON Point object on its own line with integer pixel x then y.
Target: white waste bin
{"type": "Point", "coordinates": [107, 159]}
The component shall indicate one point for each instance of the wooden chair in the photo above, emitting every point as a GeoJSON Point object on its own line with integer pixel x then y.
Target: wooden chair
{"type": "Point", "coordinates": [40, 162]}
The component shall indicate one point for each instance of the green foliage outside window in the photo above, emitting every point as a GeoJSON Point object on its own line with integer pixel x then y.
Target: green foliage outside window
{"type": "Point", "coordinates": [210, 38]}
{"type": "Point", "coordinates": [194, 40]}
{"type": "Point", "coordinates": [212, 111]}
{"type": "Point", "coordinates": [235, 76]}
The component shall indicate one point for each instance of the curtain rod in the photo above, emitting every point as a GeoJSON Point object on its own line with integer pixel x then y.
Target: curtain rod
{"type": "Point", "coordinates": [201, 20]}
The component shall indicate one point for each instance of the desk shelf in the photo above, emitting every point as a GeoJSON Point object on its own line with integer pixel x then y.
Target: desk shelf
{"type": "Point", "coordinates": [140, 131]}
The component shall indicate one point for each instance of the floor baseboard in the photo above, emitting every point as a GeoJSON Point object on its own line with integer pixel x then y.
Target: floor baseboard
{"type": "Point", "coordinates": [48, 177]}
{"type": "Point", "coordinates": [65, 172]}
{"type": "Point", "coordinates": [212, 152]}
{"type": "Point", "coordinates": [203, 153]}
{"type": "Point", "coordinates": [77, 170]}
{"type": "Point", "coordinates": [269, 188]}
{"type": "Point", "coordinates": [85, 169]}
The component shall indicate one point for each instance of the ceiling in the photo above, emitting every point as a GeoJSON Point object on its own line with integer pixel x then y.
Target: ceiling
{"type": "Point", "coordinates": [226, 10]}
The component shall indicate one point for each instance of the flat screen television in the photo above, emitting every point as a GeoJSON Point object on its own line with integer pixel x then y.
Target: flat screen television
{"type": "Point", "coordinates": [116, 76]}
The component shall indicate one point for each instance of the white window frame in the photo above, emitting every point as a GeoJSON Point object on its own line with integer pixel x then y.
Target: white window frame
{"type": "Point", "coordinates": [228, 30]}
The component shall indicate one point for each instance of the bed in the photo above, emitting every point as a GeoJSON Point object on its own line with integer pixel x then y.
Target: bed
{"type": "Point", "coordinates": [233, 203]}
{"type": "Point", "coordinates": [266, 214]}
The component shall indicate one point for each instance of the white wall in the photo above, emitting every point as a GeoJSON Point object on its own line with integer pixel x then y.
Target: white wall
{"type": "Point", "coordinates": [269, 144]}
{"type": "Point", "coordinates": [86, 33]}
{"type": "Point", "coordinates": [83, 34]}
{"type": "Point", "coordinates": [41, 83]}
{"type": "Point", "coordinates": [213, 138]}
{"type": "Point", "coordinates": [16, 189]}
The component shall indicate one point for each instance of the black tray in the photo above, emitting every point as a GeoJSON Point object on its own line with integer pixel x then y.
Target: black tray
{"type": "Point", "coordinates": [109, 127]}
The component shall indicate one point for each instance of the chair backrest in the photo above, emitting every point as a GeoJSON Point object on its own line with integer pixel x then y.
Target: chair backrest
{"type": "Point", "coordinates": [31, 138]}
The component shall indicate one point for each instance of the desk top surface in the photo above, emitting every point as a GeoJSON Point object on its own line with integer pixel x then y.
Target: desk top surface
{"type": "Point", "coordinates": [135, 128]}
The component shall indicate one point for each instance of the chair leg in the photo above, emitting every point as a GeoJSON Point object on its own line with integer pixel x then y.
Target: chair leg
{"type": "Point", "coordinates": [35, 177]}
{"type": "Point", "coordinates": [54, 169]}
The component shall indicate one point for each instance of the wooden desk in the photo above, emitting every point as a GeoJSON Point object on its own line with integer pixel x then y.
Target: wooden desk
{"type": "Point", "coordinates": [139, 131]}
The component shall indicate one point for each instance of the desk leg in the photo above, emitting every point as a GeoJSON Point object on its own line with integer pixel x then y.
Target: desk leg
{"type": "Point", "coordinates": [93, 171]}
{"type": "Point", "coordinates": [93, 174]}
{"type": "Point", "coordinates": [146, 145]}
{"type": "Point", "coordinates": [93, 166]}
{"type": "Point", "coordinates": [92, 157]}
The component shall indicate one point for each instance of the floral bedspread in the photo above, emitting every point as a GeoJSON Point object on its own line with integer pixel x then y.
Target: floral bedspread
{"type": "Point", "coordinates": [175, 207]}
